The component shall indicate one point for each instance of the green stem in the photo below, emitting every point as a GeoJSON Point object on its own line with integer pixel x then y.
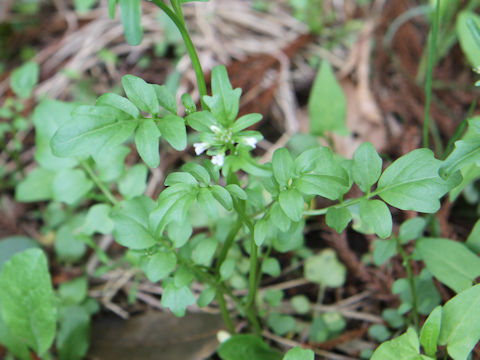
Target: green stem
{"type": "Point", "coordinates": [179, 22]}
{"type": "Point", "coordinates": [346, 203]}
{"type": "Point", "coordinates": [108, 194]}
{"type": "Point", "coordinates": [459, 131]}
{"type": "Point", "coordinates": [225, 313]}
{"type": "Point", "coordinates": [411, 281]}
{"type": "Point", "coordinates": [428, 85]}
{"type": "Point", "coordinates": [228, 243]}
{"type": "Point", "coordinates": [177, 7]}
{"type": "Point", "coordinates": [252, 276]}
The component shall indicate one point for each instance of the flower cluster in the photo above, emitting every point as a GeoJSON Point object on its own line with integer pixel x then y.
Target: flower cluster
{"type": "Point", "coordinates": [220, 141]}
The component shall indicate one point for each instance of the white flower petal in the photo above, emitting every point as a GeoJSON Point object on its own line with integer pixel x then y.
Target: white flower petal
{"type": "Point", "coordinates": [218, 159]}
{"type": "Point", "coordinates": [215, 129]}
{"type": "Point", "coordinates": [200, 147]}
{"type": "Point", "coordinates": [250, 141]}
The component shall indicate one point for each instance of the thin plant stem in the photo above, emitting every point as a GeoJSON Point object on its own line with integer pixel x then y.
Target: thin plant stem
{"type": "Point", "coordinates": [346, 203]}
{"type": "Point", "coordinates": [225, 313]}
{"type": "Point", "coordinates": [108, 194]}
{"type": "Point", "coordinates": [428, 85]}
{"type": "Point", "coordinates": [459, 131]}
{"type": "Point", "coordinates": [177, 7]}
{"type": "Point", "coordinates": [179, 23]}
{"type": "Point", "coordinates": [252, 279]}
{"type": "Point", "coordinates": [411, 281]}
{"type": "Point", "coordinates": [228, 243]}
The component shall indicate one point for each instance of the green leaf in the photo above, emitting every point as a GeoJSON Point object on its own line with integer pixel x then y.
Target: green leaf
{"type": "Point", "coordinates": [282, 166]}
{"type": "Point", "coordinates": [450, 262]}
{"type": "Point", "coordinates": [379, 332]}
{"type": "Point", "coordinates": [292, 203]}
{"type": "Point", "coordinates": [427, 295]}
{"type": "Point", "coordinates": [383, 250]}
{"type": "Point", "coordinates": [466, 38]}
{"type": "Point", "coordinates": [179, 233]}
{"type": "Point", "coordinates": [411, 229]}
{"type": "Point", "coordinates": [159, 265]}
{"type": "Point", "coordinates": [198, 172]}
{"type": "Point", "coordinates": [173, 203]}
{"type": "Point", "coordinates": [375, 214]}
{"type": "Point", "coordinates": [247, 347]}
{"type": "Point", "coordinates": [297, 353]}
{"type": "Point", "coordinates": [11, 245]}
{"type": "Point", "coordinates": [325, 269]}
{"type": "Point", "coordinates": [473, 240]}
{"type": "Point", "coordinates": [207, 203]}
{"type": "Point", "coordinates": [140, 92]}
{"type": "Point", "coordinates": [188, 103]}
{"type": "Point", "coordinates": [74, 291]}
{"type": "Point", "coordinates": [98, 220]}
{"type": "Point", "coordinates": [206, 296]}
{"type": "Point", "coordinates": [460, 329]}
{"type": "Point", "coordinates": [24, 78]}
{"type": "Point", "coordinates": [405, 347]}
{"type": "Point", "coordinates": [91, 130]}
{"type": "Point", "coordinates": [279, 218]}
{"type": "Point", "coordinates": [301, 304]}
{"type": "Point", "coordinates": [223, 196]}
{"type": "Point", "coordinates": [201, 121]}
{"type": "Point", "coordinates": [111, 164]}
{"type": "Point", "coordinates": [134, 182]}
{"type": "Point", "coordinates": [338, 218]}
{"type": "Point", "coordinates": [111, 8]}
{"type": "Point", "coordinates": [412, 182]}
{"type": "Point", "coordinates": [431, 332]}
{"type": "Point", "coordinates": [69, 244]}
{"type": "Point", "coordinates": [118, 102]}
{"type": "Point", "coordinates": [280, 324]}
{"type": "Point", "coordinates": [331, 187]}
{"type": "Point", "coordinates": [14, 345]}
{"type": "Point", "coordinates": [226, 107]}
{"type": "Point", "coordinates": [73, 337]}
{"type": "Point", "coordinates": [177, 298]}
{"type": "Point", "coordinates": [204, 251]}
{"type": "Point", "coordinates": [37, 186]}
{"type": "Point", "coordinates": [173, 130]}
{"type": "Point", "coordinates": [327, 105]}
{"type": "Point", "coordinates": [246, 121]}
{"type": "Point", "coordinates": [367, 166]}
{"type": "Point", "coordinates": [237, 191]}
{"type": "Point", "coordinates": [165, 98]}
{"type": "Point", "coordinates": [70, 186]}
{"type": "Point", "coordinates": [131, 15]}
{"type": "Point", "coordinates": [131, 223]}
{"type": "Point", "coordinates": [147, 142]}
{"type": "Point", "coordinates": [48, 116]}
{"type": "Point", "coordinates": [27, 299]}
{"type": "Point", "coordinates": [180, 178]}
{"type": "Point", "coordinates": [466, 152]}
{"type": "Point", "coordinates": [260, 231]}
{"type": "Point", "coordinates": [271, 266]}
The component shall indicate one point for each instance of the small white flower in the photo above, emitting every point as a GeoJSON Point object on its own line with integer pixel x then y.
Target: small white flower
{"type": "Point", "coordinates": [215, 129]}
{"type": "Point", "coordinates": [218, 159]}
{"type": "Point", "coordinates": [250, 141]}
{"type": "Point", "coordinates": [200, 147]}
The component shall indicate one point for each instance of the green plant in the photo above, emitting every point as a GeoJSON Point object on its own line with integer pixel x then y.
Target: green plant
{"type": "Point", "coordinates": [219, 218]}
